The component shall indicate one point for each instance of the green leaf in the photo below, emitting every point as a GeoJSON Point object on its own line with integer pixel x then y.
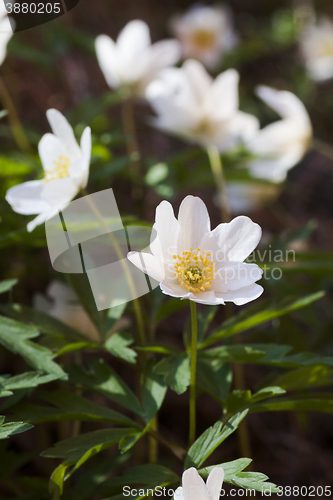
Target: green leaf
{"type": "Point", "coordinates": [101, 378]}
{"type": "Point", "coordinates": [169, 307]}
{"type": "Point", "coordinates": [73, 407]}
{"type": "Point", "coordinates": [204, 446]}
{"type": "Point", "coordinates": [24, 381]}
{"type": "Point", "coordinates": [127, 442]}
{"type": "Point", "coordinates": [318, 403]}
{"type": "Point", "coordinates": [238, 400]}
{"type": "Point", "coordinates": [117, 345]}
{"type": "Point", "coordinates": [7, 285]}
{"type": "Point", "coordinates": [11, 428]}
{"type": "Point", "coordinates": [15, 336]}
{"type": "Point", "coordinates": [304, 378]}
{"type": "Point", "coordinates": [214, 376]}
{"type": "Point", "coordinates": [43, 323]}
{"type": "Point", "coordinates": [81, 448]}
{"type": "Point", "coordinates": [230, 468]}
{"type": "Point", "coordinates": [153, 391]}
{"type": "Point", "coordinates": [156, 174]}
{"type": "Point", "coordinates": [251, 317]}
{"type": "Point", "coordinates": [81, 286]}
{"type": "Point", "coordinates": [233, 474]}
{"type": "Point", "coordinates": [176, 370]}
{"type": "Point", "coordinates": [77, 346]}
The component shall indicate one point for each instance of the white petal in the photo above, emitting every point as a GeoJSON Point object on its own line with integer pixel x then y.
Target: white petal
{"type": "Point", "coordinates": [194, 223]}
{"type": "Point", "coordinates": [209, 298]}
{"type": "Point", "coordinates": [147, 264]}
{"type": "Point", "coordinates": [236, 275]}
{"type": "Point", "coordinates": [62, 129]}
{"type": "Point", "coordinates": [26, 198]}
{"type": "Point", "coordinates": [200, 81]}
{"type": "Point", "coordinates": [244, 126]}
{"type": "Point", "coordinates": [276, 170]}
{"type": "Point", "coordinates": [214, 483]}
{"type": "Point", "coordinates": [233, 241]}
{"type": "Point", "coordinates": [106, 51]}
{"type": "Point", "coordinates": [50, 149]}
{"type": "Point", "coordinates": [283, 102]}
{"type": "Point", "coordinates": [242, 296]}
{"type": "Point", "coordinates": [59, 192]}
{"type": "Point", "coordinates": [179, 494]}
{"type": "Point", "coordinates": [40, 219]}
{"type": "Point", "coordinates": [133, 40]}
{"type": "Point", "coordinates": [164, 237]}
{"type": "Point", "coordinates": [79, 169]}
{"type": "Point", "coordinates": [194, 486]}
{"type": "Point", "coordinates": [224, 94]}
{"type": "Point", "coordinates": [164, 53]}
{"type": "Point", "coordinates": [174, 290]}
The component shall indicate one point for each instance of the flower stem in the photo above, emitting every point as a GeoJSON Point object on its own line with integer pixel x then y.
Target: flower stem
{"type": "Point", "coordinates": [137, 309]}
{"type": "Point", "coordinates": [217, 170]}
{"type": "Point", "coordinates": [14, 121]}
{"type": "Point", "coordinates": [194, 345]}
{"type": "Point", "coordinates": [133, 150]}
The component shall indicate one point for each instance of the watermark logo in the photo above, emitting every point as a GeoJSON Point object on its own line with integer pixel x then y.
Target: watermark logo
{"type": "Point", "coordinates": [20, 15]}
{"type": "Point", "coordinates": [88, 236]}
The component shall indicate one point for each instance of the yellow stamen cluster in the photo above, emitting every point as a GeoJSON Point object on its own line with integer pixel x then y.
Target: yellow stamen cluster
{"type": "Point", "coordinates": [204, 39]}
{"type": "Point", "coordinates": [60, 171]}
{"type": "Point", "coordinates": [195, 270]}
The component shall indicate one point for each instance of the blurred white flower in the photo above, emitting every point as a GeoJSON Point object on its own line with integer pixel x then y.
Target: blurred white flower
{"type": "Point", "coordinates": [6, 31]}
{"type": "Point", "coordinates": [65, 306]}
{"type": "Point", "coordinates": [66, 171]}
{"type": "Point", "coordinates": [192, 262]}
{"type": "Point", "coordinates": [191, 104]}
{"type": "Point", "coordinates": [280, 145]}
{"type": "Point", "coordinates": [194, 487]}
{"type": "Point", "coordinates": [317, 49]}
{"type": "Point", "coordinates": [205, 33]}
{"type": "Point", "coordinates": [133, 62]}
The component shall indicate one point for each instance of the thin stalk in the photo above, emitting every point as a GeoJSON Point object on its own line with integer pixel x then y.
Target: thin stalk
{"type": "Point", "coordinates": [137, 309]}
{"type": "Point", "coordinates": [133, 150]}
{"type": "Point", "coordinates": [217, 171]}
{"type": "Point", "coordinates": [194, 346]}
{"type": "Point", "coordinates": [14, 120]}
{"type": "Point", "coordinates": [175, 448]}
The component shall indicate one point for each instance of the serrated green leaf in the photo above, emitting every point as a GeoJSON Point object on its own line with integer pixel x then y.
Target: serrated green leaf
{"type": "Point", "coordinates": [204, 446]}
{"type": "Point", "coordinates": [214, 377]}
{"type": "Point", "coordinates": [11, 428]}
{"type": "Point", "coordinates": [317, 403]}
{"type": "Point", "coordinates": [230, 468]}
{"type": "Point", "coordinates": [15, 337]}
{"type": "Point", "coordinates": [24, 381]}
{"type": "Point", "coordinates": [117, 345]}
{"type": "Point", "coordinates": [176, 370]}
{"type": "Point", "coordinates": [153, 391]}
{"type": "Point", "coordinates": [101, 378]}
{"type": "Point", "coordinates": [238, 400]}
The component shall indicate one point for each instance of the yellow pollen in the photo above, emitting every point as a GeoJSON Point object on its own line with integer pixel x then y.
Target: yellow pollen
{"type": "Point", "coordinates": [195, 270]}
{"type": "Point", "coordinates": [60, 171]}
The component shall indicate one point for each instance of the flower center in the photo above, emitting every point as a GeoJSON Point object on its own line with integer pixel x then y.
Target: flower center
{"type": "Point", "coordinates": [195, 270]}
{"type": "Point", "coordinates": [60, 171]}
{"type": "Point", "coordinates": [204, 39]}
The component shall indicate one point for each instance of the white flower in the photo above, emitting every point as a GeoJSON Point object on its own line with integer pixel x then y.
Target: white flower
{"type": "Point", "coordinates": [6, 31]}
{"type": "Point", "coordinates": [280, 145]}
{"type": "Point", "coordinates": [205, 33]}
{"type": "Point", "coordinates": [65, 306]}
{"type": "Point", "coordinates": [317, 49]}
{"type": "Point", "coordinates": [192, 262]}
{"type": "Point", "coordinates": [191, 104]}
{"type": "Point", "coordinates": [132, 61]}
{"type": "Point", "coordinates": [245, 196]}
{"type": "Point", "coordinates": [194, 487]}
{"type": "Point", "coordinates": [66, 171]}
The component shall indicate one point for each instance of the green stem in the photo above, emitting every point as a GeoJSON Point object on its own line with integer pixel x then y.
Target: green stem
{"type": "Point", "coordinates": [217, 170]}
{"type": "Point", "coordinates": [194, 346]}
{"type": "Point", "coordinates": [14, 121]}
{"type": "Point", "coordinates": [137, 309]}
